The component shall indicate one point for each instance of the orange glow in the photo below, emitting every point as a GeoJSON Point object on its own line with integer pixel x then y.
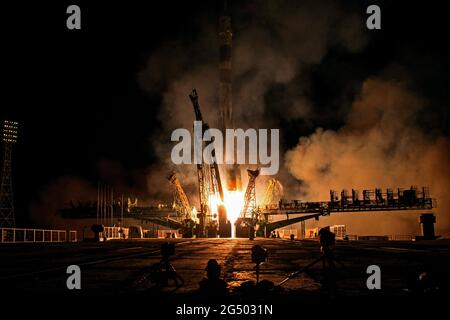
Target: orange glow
{"type": "Point", "coordinates": [194, 215]}
{"type": "Point", "coordinates": [214, 203]}
{"type": "Point", "coordinates": [233, 201]}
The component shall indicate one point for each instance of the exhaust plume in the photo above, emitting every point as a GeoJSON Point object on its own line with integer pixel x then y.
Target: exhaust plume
{"type": "Point", "coordinates": [379, 146]}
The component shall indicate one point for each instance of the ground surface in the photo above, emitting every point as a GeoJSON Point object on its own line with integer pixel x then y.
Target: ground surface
{"type": "Point", "coordinates": [123, 267]}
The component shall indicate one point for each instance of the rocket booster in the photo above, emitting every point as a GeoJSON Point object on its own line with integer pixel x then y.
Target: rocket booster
{"type": "Point", "coordinates": [233, 176]}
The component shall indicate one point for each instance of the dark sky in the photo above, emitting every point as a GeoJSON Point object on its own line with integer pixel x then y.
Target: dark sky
{"type": "Point", "coordinates": [78, 101]}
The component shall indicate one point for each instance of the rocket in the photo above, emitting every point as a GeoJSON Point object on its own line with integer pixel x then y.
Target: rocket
{"type": "Point", "coordinates": [232, 171]}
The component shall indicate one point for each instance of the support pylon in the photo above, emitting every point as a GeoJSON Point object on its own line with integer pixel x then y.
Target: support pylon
{"type": "Point", "coordinates": [180, 200]}
{"type": "Point", "coordinates": [250, 195]}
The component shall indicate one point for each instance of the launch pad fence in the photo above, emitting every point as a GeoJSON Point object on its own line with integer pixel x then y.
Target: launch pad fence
{"type": "Point", "coordinates": [16, 235]}
{"type": "Point", "coordinates": [110, 233]}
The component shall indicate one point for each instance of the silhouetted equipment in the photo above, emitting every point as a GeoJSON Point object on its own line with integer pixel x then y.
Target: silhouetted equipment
{"type": "Point", "coordinates": [427, 220]}
{"type": "Point", "coordinates": [259, 255]}
{"type": "Point", "coordinates": [408, 199]}
{"type": "Point", "coordinates": [97, 229]}
{"type": "Point", "coordinates": [224, 224]}
{"type": "Point", "coordinates": [167, 250]}
{"type": "Point", "coordinates": [213, 269]}
{"type": "Point", "coordinates": [372, 200]}
{"type": "Point", "coordinates": [213, 284]}
{"type": "Point", "coordinates": [424, 282]}
{"type": "Point", "coordinates": [164, 271]}
{"type": "Point", "coordinates": [209, 182]}
{"type": "Point", "coordinates": [9, 138]}
{"type": "Point", "coordinates": [180, 200]}
{"type": "Point", "coordinates": [327, 241]}
{"type": "Point", "coordinates": [212, 229]}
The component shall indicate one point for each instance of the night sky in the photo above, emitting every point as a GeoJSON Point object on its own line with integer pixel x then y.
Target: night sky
{"type": "Point", "coordinates": [77, 96]}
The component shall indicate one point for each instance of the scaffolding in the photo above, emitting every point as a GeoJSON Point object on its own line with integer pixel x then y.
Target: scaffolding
{"type": "Point", "coordinates": [373, 200]}
{"type": "Point", "coordinates": [9, 137]}
{"type": "Point", "coordinates": [180, 200]}
{"type": "Point", "coordinates": [249, 209]}
{"type": "Point", "coordinates": [209, 183]}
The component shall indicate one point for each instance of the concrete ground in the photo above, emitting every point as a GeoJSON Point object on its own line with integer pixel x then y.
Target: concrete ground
{"type": "Point", "coordinates": [123, 267]}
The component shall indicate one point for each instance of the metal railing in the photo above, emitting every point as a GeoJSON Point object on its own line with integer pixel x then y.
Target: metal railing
{"type": "Point", "coordinates": [110, 233]}
{"type": "Point", "coordinates": [18, 235]}
{"type": "Point", "coordinates": [402, 237]}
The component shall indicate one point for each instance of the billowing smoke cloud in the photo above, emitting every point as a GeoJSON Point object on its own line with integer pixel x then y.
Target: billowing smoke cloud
{"type": "Point", "coordinates": [273, 44]}
{"type": "Point", "coordinates": [379, 146]}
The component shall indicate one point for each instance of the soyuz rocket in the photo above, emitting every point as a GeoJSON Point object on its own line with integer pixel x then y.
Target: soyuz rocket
{"type": "Point", "coordinates": [232, 171]}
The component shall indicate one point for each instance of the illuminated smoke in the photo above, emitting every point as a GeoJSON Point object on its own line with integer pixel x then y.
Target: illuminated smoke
{"type": "Point", "coordinates": [272, 45]}
{"type": "Point", "coordinates": [379, 146]}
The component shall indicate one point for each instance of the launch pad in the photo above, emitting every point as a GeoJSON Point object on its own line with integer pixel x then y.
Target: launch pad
{"type": "Point", "coordinates": [119, 267]}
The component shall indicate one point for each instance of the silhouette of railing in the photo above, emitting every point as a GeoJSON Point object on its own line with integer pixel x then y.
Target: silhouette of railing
{"type": "Point", "coordinates": [19, 235]}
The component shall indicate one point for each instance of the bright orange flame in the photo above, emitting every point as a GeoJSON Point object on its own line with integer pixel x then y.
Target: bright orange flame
{"type": "Point", "coordinates": [234, 201]}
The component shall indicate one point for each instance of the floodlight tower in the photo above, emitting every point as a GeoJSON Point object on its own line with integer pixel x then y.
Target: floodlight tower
{"type": "Point", "coordinates": [9, 137]}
